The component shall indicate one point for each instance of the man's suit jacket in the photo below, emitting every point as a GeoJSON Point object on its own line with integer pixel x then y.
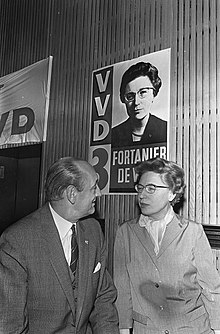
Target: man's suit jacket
{"type": "Point", "coordinates": [155, 132]}
{"type": "Point", "coordinates": [177, 291]}
{"type": "Point", "coordinates": [36, 292]}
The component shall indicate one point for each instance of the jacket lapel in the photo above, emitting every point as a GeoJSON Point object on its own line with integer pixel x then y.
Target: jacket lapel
{"type": "Point", "coordinates": [144, 238]}
{"type": "Point", "coordinates": [149, 132]}
{"type": "Point", "coordinates": [55, 253]}
{"type": "Point", "coordinates": [84, 245]}
{"type": "Point", "coordinates": [173, 229]}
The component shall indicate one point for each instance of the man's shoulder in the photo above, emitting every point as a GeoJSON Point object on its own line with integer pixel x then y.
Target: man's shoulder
{"type": "Point", "coordinates": [90, 224]}
{"type": "Point", "coordinates": [29, 222]}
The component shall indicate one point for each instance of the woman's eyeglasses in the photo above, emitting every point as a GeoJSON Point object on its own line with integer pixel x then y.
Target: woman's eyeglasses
{"type": "Point", "coordinates": [150, 188]}
{"type": "Point", "coordinates": [142, 94]}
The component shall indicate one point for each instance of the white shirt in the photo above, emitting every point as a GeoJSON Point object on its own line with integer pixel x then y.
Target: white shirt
{"type": "Point", "coordinates": [65, 233]}
{"type": "Point", "coordinates": [153, 227]}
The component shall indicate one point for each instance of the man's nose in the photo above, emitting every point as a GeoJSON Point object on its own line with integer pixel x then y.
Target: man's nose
{"type": "Point", "coordinates": [98, 192]}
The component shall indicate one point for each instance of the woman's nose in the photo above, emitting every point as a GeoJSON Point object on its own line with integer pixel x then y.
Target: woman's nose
{"type": "Point", "coordinates": [142, 194]}
{"type": "Point", "coordinates": [136, 99]}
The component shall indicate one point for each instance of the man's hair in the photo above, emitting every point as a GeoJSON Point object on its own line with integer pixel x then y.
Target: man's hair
{"type": "Point", "coordinates": [139, 70]}
{"type": "Point", "coordinates": [61, 174]}
{"type": "Point", "coordinates": [171, 174]}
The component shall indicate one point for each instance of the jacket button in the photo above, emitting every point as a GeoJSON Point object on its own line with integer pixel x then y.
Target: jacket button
{"type": "Point", "coordinates": [166, 331]}
{"type": "Point", "coordinates": [156, 285]}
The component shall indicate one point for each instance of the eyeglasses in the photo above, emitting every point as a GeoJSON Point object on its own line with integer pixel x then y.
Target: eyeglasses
{"type": "Point", "coordinates": [142, 94]}
{"type": "Point", "coordinates": [150, 188]}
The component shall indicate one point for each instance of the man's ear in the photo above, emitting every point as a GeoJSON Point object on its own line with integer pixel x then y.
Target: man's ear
{"type": "Point", "coordinates": [71, 193]}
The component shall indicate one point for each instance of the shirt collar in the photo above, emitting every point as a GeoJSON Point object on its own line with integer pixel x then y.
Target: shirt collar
{"type": "Point", "coordinates": [62, 224]}
{"type": "Point", "coordinates": [145, 220]}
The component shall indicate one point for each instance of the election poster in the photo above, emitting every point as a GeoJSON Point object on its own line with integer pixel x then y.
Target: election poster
{"type": "Point", "coordinates": [24, 103]}
{"type": "Point", "coordinates": [130, 113]}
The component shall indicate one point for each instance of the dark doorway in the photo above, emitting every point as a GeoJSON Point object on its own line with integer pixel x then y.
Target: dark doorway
{"type": "Point", "coordinates": [19, 182]}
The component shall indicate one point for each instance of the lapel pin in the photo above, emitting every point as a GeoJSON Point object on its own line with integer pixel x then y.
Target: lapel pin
{"type": "Point", "coordinates": [86, 241]}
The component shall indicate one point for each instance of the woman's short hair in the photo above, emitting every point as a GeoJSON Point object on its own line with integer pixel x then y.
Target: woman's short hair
{"type": "Point", "coordinates": [61, 174]}
{"type": "Point", "coordinates": [138, 70]}
{"type": "Point", "coordinates": [171, 174]}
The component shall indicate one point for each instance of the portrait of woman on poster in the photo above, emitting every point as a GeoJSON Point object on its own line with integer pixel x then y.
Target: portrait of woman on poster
{"type": "Point", "coordinates": [139, 87]}
{"type": "Point", "coordinates": [163, 263]}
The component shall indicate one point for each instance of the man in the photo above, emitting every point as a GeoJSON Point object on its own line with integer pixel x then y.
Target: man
{"type": "Point", "coordinates": [39, 293]}
{"type": "Point", "coordinates": [139, 86]}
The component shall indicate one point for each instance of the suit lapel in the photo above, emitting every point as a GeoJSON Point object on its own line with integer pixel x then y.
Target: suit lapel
{"type": "Point", "coordinates": [55, 253]}
{"type": "Point", "coordinates": [173, 229]}
{"type": "Point", "coordinates": [84, 246]}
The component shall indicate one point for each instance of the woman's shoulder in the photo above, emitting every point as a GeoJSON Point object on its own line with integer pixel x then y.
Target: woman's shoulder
{"type": "Point", "coordinates": [189, 223]}
{"type": "Point", "coordinates": [127, 224]}
{"type": "Point", "coordinates": [130, 221]}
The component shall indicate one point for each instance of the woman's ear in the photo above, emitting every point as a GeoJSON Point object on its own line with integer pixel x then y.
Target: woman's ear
{"type": "Point", "coordinates": [171, 196]}
{"type": "Point", "coordinates": [71, 194]}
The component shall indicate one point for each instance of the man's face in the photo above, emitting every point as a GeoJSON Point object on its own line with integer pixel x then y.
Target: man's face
{"type": "Point", "coordinates": [85, 199]}
{"type": "Point", "coordinates": [141, 89]}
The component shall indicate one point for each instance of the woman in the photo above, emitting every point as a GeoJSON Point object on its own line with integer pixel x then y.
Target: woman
{"type": "Point", "coordinates": [139, 86]}
{"type": "Point", "coordinates": [164, 270]}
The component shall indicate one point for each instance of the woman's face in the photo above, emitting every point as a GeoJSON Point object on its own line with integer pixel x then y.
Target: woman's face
{"type": "Point", "coordinates": [139, 108]}
{"type": "Point", "coordinates": [157, 204]}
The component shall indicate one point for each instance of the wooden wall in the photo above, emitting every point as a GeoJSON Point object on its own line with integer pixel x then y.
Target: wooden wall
{"type": "Point", "coordinates": [83, 35]}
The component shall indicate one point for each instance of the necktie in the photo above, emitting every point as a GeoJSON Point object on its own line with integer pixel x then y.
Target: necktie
{"type": "Point", "coordinates": [74, 251]}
